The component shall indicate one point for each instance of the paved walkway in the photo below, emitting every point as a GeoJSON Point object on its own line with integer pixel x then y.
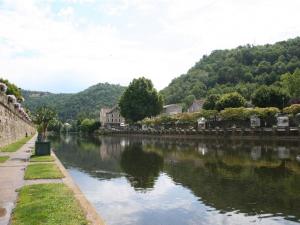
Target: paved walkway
{"type": "Point", "coordinates": [12, 178]}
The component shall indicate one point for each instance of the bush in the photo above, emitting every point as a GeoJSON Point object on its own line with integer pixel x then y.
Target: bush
{"type": "Point", "coordinates": [235, 113]}
{"type": "Point", "coordinates": [293, 109]}
{"type": "Point", "coordinates": [230, 100]}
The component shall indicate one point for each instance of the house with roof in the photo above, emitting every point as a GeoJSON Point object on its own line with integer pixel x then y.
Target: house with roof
{"type": "Point", "coordinates": [111, 117]}
{"type": "Point", "coordinates": [196, 106]}
{"type": "Point", "coordinates": [172, 109]}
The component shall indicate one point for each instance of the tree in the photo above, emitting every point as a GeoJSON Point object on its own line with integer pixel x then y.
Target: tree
{"type": "Point", "coordinates": [230, 100]}
{"type": "Point", "coordinates": [292, 83]}
{"type": "Point", "coordinates": [140, 100]}
{"type": "Point", "coordinates": [89, 125]}
{"type": "Point", "coordinates": [43, 117]}
{"type": "Point", "coordinates": [271, 96]}
{"type": "Point", "coordinates": [210, 102]}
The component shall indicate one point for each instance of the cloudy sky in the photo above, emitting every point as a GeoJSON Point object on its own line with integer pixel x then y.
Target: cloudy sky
{"type": "Point", "coordinates": [68, 45]}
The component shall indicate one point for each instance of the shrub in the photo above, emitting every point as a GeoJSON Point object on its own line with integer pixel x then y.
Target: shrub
{"type": "Point", "coordinates": [293, 109]}
{"type": "Point", "coordinates": [230, 100]}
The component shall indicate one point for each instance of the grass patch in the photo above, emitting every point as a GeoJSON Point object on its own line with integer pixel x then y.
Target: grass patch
{"type": "Point", "coordinates": [3, 159]}
{"type": "Point", "coordinates": [42, 171]}
{"type": "Point", "coordinates": [47, 204]}
{"type": "Point", "coordinates": [46, 158]}
{"type": "Point", "coordinates": [15, 146]}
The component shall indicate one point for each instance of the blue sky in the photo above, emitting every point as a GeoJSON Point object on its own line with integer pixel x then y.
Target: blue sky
{"type": "Point", "coordinates": [68, 45]}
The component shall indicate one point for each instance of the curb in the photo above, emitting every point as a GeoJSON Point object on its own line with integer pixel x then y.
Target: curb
{"type": "Point", "coordinates": [89, 210]}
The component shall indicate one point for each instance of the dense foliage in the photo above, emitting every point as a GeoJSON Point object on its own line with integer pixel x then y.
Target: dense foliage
{"type": "Point", "coordinates": [230, 100]}
{"type": "Point", "coordinates": [85, 104]}
{"type": "Point", "coordinates": [12, 89]}
{"type": "Point", "coordinates": [267, 115]}
{"type": "Point", "coordinates": [89, 125]}
{"type": "Point", "coordinates": [140, 100]}
{"type": "Point", "coordinates": [270, 96]}
{"type": "Point", "coordinates": [242, 69]}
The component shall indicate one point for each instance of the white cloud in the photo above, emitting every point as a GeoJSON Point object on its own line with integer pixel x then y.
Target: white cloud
{"type": "Point", "coordinates": [66, 12]}
{"type": "Point", "coordinates": [129, 38]}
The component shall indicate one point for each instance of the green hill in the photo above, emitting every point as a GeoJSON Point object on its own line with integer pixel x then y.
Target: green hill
{"type": "Point", "coordinates": [241, 69]}
{"type": "Point", "coordinates": [69, 106]}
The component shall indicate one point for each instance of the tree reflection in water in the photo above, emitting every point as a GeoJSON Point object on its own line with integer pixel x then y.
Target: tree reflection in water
{"type": "Point", "coordinates": [142, 168]}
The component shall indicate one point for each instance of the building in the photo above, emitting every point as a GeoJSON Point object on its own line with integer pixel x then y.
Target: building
{"type": "Point", "coordinates": [172, 109]}
{"type": "Point", "coordinates": [103, 118]}
{"type": "Point", "coordinates": [111, 117]}
{"type": "Point", "coordinates": [196, 106]}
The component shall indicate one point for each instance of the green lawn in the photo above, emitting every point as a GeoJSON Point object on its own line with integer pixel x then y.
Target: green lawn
{"type": "Point", "coordinates": [46, 158]}
{"type": "Point", "coordinates": [42, 171]}
{"type": "Point", "coordinates": [47, 204]}
{"type": "Point", "coordinates": [3, 159]}
{"type": "Point", "coordinates": [15, 146]}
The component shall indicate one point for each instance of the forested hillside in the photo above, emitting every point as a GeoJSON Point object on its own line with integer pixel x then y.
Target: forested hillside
{"type": "Point", "coordinates": [70, 106]}
{"type": "Point", "coordinates": [242, 69]}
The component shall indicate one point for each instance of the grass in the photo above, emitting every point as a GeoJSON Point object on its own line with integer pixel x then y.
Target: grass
{"type": "Point", "coordinates": [46, 158]}
{"type": "Point", "coordinates": [15, 146]}
{"type": "Point", "coordinates": [42, 171]}
{"type": "Point", "coordinates": [47, 204]}
{"type": "Point", "coordinates": [3, 159]}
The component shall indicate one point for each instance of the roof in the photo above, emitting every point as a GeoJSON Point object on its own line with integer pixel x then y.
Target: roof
{"type": "Point", "coordinates": [166, 106]}
{"type": "Point", "coordinates": [113, 108]}
{"type": "Point", "coordinates": [199, 101]}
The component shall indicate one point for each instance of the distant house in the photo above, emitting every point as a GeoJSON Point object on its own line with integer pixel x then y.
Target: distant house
{"type": "Point", "coordinates": [111, 117]}
{"type": "Point", "coordinates": [103, 117]}
{"type": "Point", "coordinates": [196, 106]}
{"type": "Point", "coordinates": [172, 109]}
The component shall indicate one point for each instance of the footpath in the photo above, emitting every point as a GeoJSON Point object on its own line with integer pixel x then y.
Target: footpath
{"type": "Point", "coordinates": [12, 179]}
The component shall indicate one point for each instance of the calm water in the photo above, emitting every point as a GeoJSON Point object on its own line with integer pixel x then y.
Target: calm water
{"type": "Point", "coordinates": [171, 181]}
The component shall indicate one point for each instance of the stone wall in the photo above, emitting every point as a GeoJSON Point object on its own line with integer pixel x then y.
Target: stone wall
{"type": "Point", "coordinates": [13, 126]}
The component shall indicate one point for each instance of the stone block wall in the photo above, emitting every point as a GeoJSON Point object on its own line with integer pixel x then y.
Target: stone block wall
{"type": "Point", "coordinates": [13, 126]}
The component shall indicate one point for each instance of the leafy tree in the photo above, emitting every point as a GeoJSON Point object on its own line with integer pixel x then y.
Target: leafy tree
{"type": "Point", "coordinates": [292, 83]}
{"type": "Point", "coordinates": [140, 100]}
{"type": "Point", "coordinates": [89, 125]}
{"type": "Point", "coordinates": [43, 117]}
{"type": "Point", "coordinates": [211, 101]}
{"type": "Point", "coordinates": [230, 100]}
{"type": "Point", "coordinates": [271, 96]}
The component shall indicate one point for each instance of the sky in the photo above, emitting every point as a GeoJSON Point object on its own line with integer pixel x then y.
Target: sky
{"type": "Point", "coordinates": [69, 45]}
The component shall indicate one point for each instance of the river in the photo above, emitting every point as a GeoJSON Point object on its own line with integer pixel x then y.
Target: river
{"type": "Point", "coordinates": [157, 181]}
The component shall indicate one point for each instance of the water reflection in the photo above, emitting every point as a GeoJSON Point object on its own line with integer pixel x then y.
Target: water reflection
{"type": "Point", "coordinates": [141, 167]}
{"type": "Point", "coordinates": [177, 181]}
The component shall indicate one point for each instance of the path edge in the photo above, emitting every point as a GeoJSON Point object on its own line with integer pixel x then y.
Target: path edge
{"type": "Point", "coordinates": [91, 214]}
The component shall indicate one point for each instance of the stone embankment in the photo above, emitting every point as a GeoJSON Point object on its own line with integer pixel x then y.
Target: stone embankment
{"type": "Point", "coordinates": [13, 126]}
{"type": "Point", "coordinates": [288, 133]}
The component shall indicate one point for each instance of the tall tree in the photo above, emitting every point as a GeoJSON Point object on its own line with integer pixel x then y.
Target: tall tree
{"type": "Point", "coordinates": [291, 81]}
{"type": "Point", "coordinates": [140, 100]}
{"type": "Point", "coordinates": [271, 96]}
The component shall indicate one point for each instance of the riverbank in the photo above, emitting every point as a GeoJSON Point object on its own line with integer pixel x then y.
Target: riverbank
{"type": "Point", "coordinates": [231, 133]}
{"type": "Point", "coordinates": [28, 195]}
